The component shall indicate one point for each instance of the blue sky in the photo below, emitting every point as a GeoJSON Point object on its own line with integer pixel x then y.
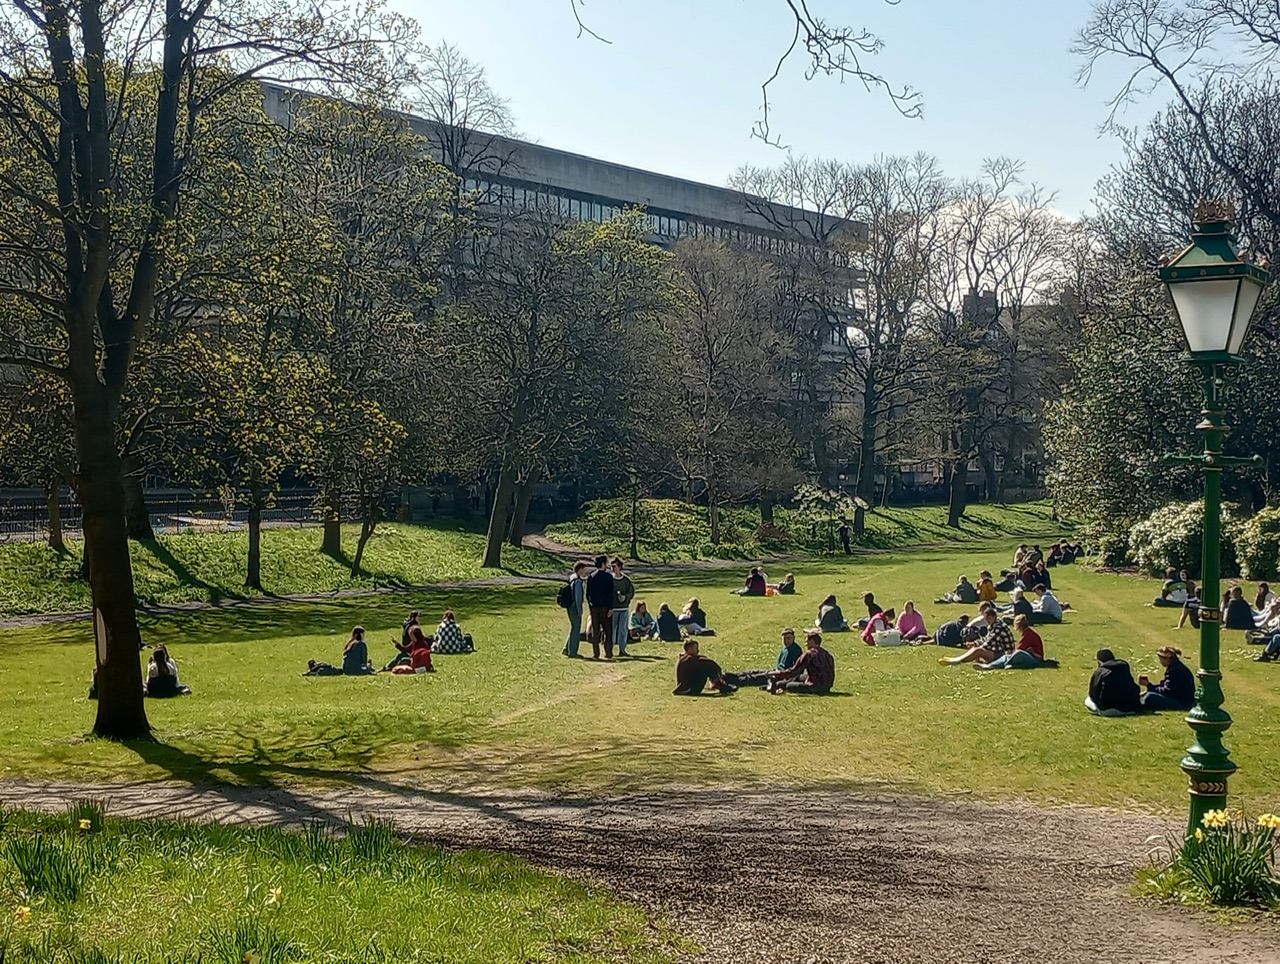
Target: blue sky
{"type": "Point", "coordinates": [677, 88]}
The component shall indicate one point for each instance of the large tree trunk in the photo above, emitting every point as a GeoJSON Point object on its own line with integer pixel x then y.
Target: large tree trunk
{"type": "Point", "coordinates": [766, 509]}
{"type": "Point", "coordinates": [524, 497]}
{"type": "Point", "coordinates": [100, 489]}
{"type": "Point", "coordinates": [331, 540]}
{"type": "Point", "coordinates": [866, 486]}
{"type": "Point", "coordinates": [498, 519]}
{"type": "Point", "coordinates": [959, 491]}
{"type": "Point", "coordinates": [53, 503]}
{"type": "Point", "coordinates": [253, 574]}
{"type": "Point", "coordinates": [137, 517]}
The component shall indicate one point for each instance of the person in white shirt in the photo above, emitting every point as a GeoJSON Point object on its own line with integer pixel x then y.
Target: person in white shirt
{"type": "Point", "coordinates": [1046, 609]}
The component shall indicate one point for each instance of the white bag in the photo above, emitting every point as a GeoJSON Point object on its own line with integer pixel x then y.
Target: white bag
{"type": "Point", "coordinates": [889, 637]}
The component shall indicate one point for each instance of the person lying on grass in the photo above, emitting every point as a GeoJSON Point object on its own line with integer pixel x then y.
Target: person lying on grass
{"type": "Point", "coordinates": [952, 633]}
{"type": "Point", "coordinates": [1029, 653]}
{"type": "Point", "coordinates": [162, 676]}
{"type": "Point", "coordinates": [695, 672]}
{"type": "Point", "coordinates": [355, 655]}
{"type": "Point", "coordinates": [813, 674]}
{"type": "Point", "coordinates": [996, 642]}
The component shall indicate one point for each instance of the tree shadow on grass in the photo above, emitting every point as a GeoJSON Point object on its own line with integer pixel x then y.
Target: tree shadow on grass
{"type": "Point", "coordinates": [184, 575]}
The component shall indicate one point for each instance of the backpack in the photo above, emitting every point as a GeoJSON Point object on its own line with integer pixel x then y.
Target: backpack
{"type": "Point", "coordinates": [564, 598]}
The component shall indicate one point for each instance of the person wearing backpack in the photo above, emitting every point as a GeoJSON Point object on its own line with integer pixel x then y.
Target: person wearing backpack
{"type": "Point", "coordinates": [571, 599]}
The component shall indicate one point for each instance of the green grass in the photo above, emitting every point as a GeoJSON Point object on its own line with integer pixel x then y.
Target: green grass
{"type": "Point", "coordinates": [181, 893]}
{"type": "Point", "coordinates": [671, 530]}
{"type": "Point", "coordinates": [517, 714]}
{"type": "Point", "coordinates": [209, 567]}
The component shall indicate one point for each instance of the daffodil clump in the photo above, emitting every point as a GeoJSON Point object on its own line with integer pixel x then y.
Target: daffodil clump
{"type": "Point", "coordinates": [1227, 861]}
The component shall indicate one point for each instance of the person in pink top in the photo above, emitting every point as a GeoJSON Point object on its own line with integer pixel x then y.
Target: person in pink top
{"type": "Point", "coordinates": [877, 624]}
{"type": "Point", "coordinates": [911, 623]}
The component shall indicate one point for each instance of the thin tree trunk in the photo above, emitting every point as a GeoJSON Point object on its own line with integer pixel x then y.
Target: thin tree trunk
{"type": "Point", "coordinates": [524, 498]}
{"type": "Point", "coordinates": [959, 491]}
{"type": "Point", "coordinates": [713, 512]}
{"type": "Point", "coordinates": [992, 479]}
{"type": "Point", "coordinates": [866, 485]}
{"type": "Point", "coordinates": [99, 487]}
{"type": "Point", "coordinates": [331, 540]}
{"type": "Point", "coordinates": [137, 515]}
{"type": "Point", "coordinates": [498, 519]}
{"type": "Point", "coordinates": [253, 575]}
{"type": "Point", "coordinates": [634, 548]}
{"type": "Point", "coordinates": [766, 509]}
{"type": "Point", "coordinates": [53, 503]}
{"type": "Point", "coordinates": [367, 525]}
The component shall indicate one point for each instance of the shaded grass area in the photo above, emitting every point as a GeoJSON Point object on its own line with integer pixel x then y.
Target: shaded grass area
{"type": "Point", "coordinates": [517, 714]}
{"type": "Point", "coordinates": [670, 530]}
{"type": "Point", "coordinates": [80, 888]}
{"type": "Point", "coordinates": [210, 566]}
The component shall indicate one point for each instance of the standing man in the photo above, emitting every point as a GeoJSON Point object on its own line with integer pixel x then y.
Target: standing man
{"type": "Point", "coordinates": [844, 534]}
{"type": "Point", "coordinates": [624, 592]}
{"type": "Point", "coordinates": [578, 593]}
{"type": "Point", "coordinates": [601, 596]}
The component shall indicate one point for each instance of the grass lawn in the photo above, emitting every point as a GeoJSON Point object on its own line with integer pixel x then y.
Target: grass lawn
{"type": "Point", "coordinates": [516, 714]}
{"type": "Point", "coordinates": [178, 893]}
{"type": "Point", "coordinates": [210, 566]}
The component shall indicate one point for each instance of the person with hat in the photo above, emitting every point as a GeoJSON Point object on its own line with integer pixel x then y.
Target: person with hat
{"type": "Point", "coordinates": [1177, 691]}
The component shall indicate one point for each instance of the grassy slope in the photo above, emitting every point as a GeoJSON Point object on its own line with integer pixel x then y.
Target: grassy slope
{"type": "Point", "coordinates": [515, 713]}
{"type": "Point", "coordinates": [181, 893]}
{"type": "Point", "coordinates": [195, 567]}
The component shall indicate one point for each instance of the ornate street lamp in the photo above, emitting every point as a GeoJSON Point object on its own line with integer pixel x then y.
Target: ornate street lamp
{"type": "Point", "coordinates": [1214, 295]}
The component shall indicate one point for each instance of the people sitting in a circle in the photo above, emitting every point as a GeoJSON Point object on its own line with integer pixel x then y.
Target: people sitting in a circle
{"type": "Point", "coordinates": [643, 625]}
{"type": "Point", "coordinates": [355, 655]}
{"type": "Point", "coordinates": [1176, 690]}
{"type": "Point", "coordinates": [1173, 592]}
{"type": "Point", "coordinates": [1028, 654]}
{"type": "Point", "coordinates": [693, 620]}
{"type": "Point", "coordinates": [965, 593]}
{"type": "Point", "coordinates": [413, 654]}
{"type": "Point", "coordinates": [910, 624]}
{"type": "Point", "coordinates": [952, 633]}
{"type": "Point", "coordinates": [1112, 689]}
{"type": "Point", "coordinates": [1046, 609]}
{"type": "Point", "coordinates": [695, 672]}
{"type": "Point", "coordinates": [994, 642]}
{"type": "Point", "coordinates": [787, 657]}
{"type": "Point", "coordinates": [873, 608]}
{"type": "Point", "coordinates": [788, 585]}
{"type": "Point", "coordinates": [814, 673]}
{"type": "Point", "coordinates": [668, 625]}
{"type": "Point", "coordinates": [1237, 613]}
{"type": "Point", "coordinates": [755, 584]}
{"type": "Point", "coordinates": [881, 622]}
{"type": "Point", "coordinates": [450, 639]}
{"type": "Point", "coordinates": [162, 676]}
{"type": "Point", "coordinates": [830, 617]}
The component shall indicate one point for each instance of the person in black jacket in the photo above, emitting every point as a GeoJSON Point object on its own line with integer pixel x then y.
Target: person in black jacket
{"type": "Point", "coordinates": [952, 633]}
{"type": "Point", "coordinates": [1177, 691]}
{"type": "Point", "coordinates": [668, 625]}
{"type": "Point", "coordinates": [1112, 690]}
{"type": "Point", "coordinates": [601, 596]}
{"type": "Point", "coordinates": [1237, 613]}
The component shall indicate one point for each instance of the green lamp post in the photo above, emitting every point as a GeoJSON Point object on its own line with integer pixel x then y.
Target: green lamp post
{"type": "Point", "coordinates": [1214, 295]}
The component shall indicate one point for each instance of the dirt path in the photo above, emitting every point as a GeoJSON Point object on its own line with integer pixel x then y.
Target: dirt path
{"type": "Point", "coordinates": [790, 876]}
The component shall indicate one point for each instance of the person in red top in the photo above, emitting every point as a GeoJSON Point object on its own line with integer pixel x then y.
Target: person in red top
{"type": "Point", "coordinates": [995, 642]}
{"type": "Point", "coordinates": [1029, 653]}
{"type": "Point", "coordinates": [814, 673]}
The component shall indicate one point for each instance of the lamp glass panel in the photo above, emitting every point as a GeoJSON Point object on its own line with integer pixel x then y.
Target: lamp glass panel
{"type": "Point", "coordinates": [1246, 302]}
{"type": "Point", "coordinates": [1205, 310]}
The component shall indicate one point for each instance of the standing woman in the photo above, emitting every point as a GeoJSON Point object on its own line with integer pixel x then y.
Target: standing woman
{"type": "Point", "coordinates": [1177, 691]}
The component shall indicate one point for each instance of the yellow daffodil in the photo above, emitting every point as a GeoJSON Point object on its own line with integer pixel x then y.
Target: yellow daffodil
{"type": "Point", "coordinates": [273, 897]}
{"type": "Point", "coordinates": [1216, 819]}
{"type": "Point", "coordinates": [21, 915]}
{"type": "Point", "coordinates": [86, 824]}
{"type": "Point", "coordinates": [1199, 835]}
{"type": "Point", "coordinates": [1269, 821]}
{"type": "Point", "coordinates": [252, 957]}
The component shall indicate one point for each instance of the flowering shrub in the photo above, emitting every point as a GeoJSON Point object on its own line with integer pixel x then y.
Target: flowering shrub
{"type": "Point", "coordinates": [1173, 537]}
{"type": "Point", "coordinates": [1257, 542]}
{"type": "Point", "coordinates": [1226, 862]}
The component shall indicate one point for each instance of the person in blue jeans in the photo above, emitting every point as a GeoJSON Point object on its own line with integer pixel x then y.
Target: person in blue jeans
{"type": "Point", "coordinates": [1177, 691]}
{"type": "Point", "coordinates": [1272, 653]}
{"type": "Point", "coordinates": [1029, 653]}
{"type": "Point", "coordinates": [578, 584]}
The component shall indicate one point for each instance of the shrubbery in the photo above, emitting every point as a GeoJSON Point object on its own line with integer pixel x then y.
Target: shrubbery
{"type": "Point", "coordinates": [1172, 537]}
{"type": "Point", "coordinates": [1257, 542]}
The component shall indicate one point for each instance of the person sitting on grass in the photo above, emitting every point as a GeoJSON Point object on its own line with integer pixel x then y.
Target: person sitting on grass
{"type": "Point", "coordinates": [1237, 613]}
{"type": "Point", "coordinates": [1020, 605]}
{"type": "Point", "coordinates": [450, 638]}
{"type": "Point", "coordinates": [1173, 592]}
{"type": "Point", "coordinates": [417, 651]}
{"type": "Point", "coordinates": [1112, 691]}
{"type": "Point", "coordinates": [873, 607]}
{"type": "Point", "coordinates": [964, 593]}
{"type": "Point", "coordinates": [668, 625]}
{"type": "Point", "coordinates": [787, 658]}
{"type": "Point", "coordinates": [1264, 598]}
{"type": "Point", "coordinates": [693, 620]}
{"type": "Point", "coordinates": [1029, 653]}
{"type": "Point", "coordinates": [788, 586]}
{"type": "Point", "coordinates": [814, 673]}
{"type": "Point", "coordinates": [755, 584]}
{"type": "Point", "coordinates": [997, 641]}
{"type": "Point", "coordinates": [986, 588]}
{"type": "Point", "coordinates": [162, 676]}
{"type": "Point", "coordinates": [1047, 609]}
{"type": "Point", "coordinates": [1177, 690]}
{"type": "Point", "coordinates": [831, 618]}
{"type": "Point", "coordinates": [1040, 577]}
{"type": "Point", "coordinates": [911, 624]}
{"type": "Point", "coordinates": [415, 618]}
{"type": "Point", "coordinates": [952, 633]}
{"type": "Point", "coordinates": [355, 655]}
{"type": "Point", "coordinates": [879, 623]}
{"type": "Point", "coordinates": [694, 672]}
{"type": "Point", "coordinates": [643, 625]}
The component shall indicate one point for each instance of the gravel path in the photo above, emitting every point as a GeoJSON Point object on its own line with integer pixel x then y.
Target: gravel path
{"type": "Point", "coordinates": [791, 876]}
